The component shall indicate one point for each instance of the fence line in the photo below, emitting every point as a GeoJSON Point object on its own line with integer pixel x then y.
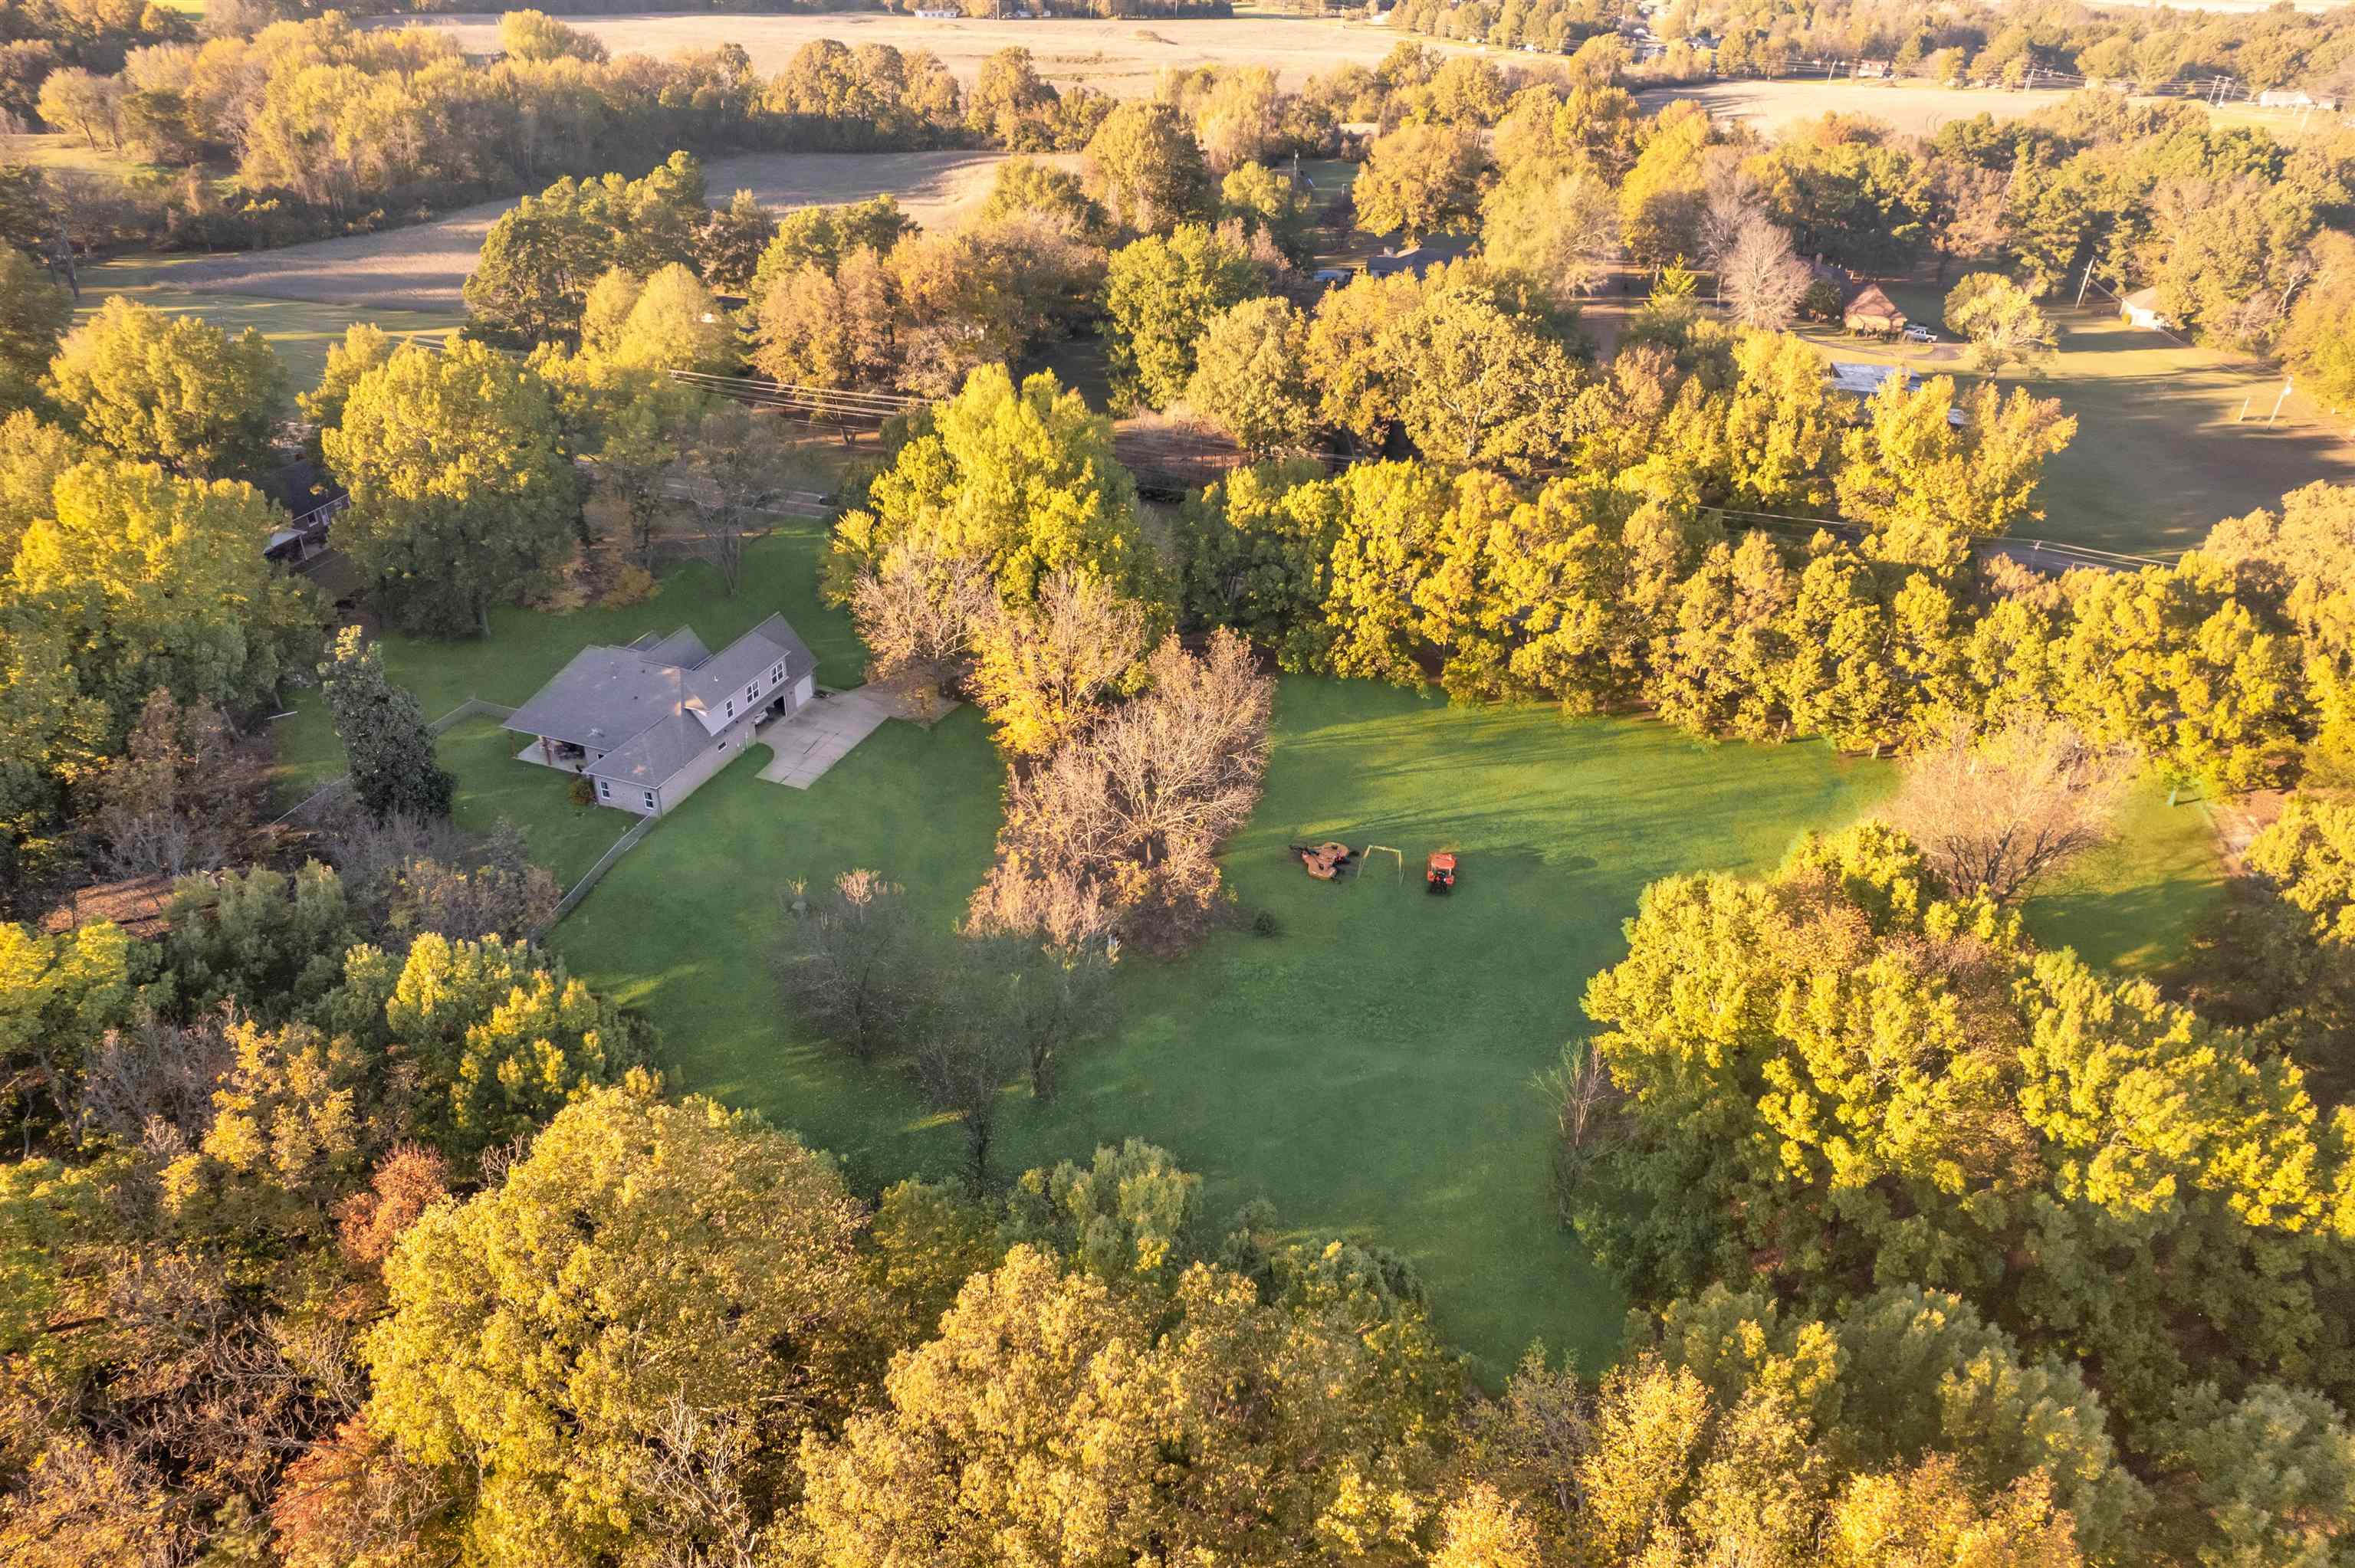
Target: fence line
{"type": "Point", "coordinates": [464, 710]}
{"type": "Point", "coordinates": [467, 710]}
{"type": "Point", "coordinates": [342, 780]}
{"type": "Point", "coordinates": [596, 872]}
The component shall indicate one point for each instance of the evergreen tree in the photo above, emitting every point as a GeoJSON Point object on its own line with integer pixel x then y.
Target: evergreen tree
{"type": "Point", "coordinates": [384, 734]}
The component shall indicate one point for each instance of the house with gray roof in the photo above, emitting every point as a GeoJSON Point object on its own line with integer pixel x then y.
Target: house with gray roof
{"type": "Point", "coordinates": [648, 722]}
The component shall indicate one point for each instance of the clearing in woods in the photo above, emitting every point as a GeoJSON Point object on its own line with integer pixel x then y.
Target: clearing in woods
{"type": "Point", "coordinates": [1367, 1067]}
{"type": "Point", "coordinates": [422, 267]}
{"type": "Point", "coordinates": [1123, 57]}
{"type": "Point", "coordinates": [2164, 449]}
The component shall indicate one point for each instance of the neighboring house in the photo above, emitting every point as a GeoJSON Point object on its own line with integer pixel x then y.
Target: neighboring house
{"type": "Point", "coordinates": [648, 723]}
{"type": "Point", "coordinates": [1861, 380]}
{"type": "Point", "coordinates": [1420, 259]}
{"type": "Point", "coordinates": [1870, 309]}
{"type": "Point", "coordinates": [2141, 308]}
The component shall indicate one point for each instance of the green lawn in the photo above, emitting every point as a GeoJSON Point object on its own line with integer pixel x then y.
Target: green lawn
{"type": "Point", "coordinates": [2161, 453]}
{"type": "Point", "coordinates": [2132, 906]}
{"type": "Point", "coordinates": [300, 331]}
{"type": "Point", "coordinates": [1368, 1068]}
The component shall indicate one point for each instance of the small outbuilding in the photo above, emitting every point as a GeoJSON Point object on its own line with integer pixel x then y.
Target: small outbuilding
{"type": "Point", "coordinates": [1870, 309]}
{"type": "Point", "coordinates": [2141, 308]}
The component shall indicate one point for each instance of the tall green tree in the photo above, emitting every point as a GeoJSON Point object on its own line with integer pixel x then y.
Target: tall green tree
{"type": "Point", "coordinates": [34, 312]}
{"type": "Point", "coordinates": [621, 1342]}
{"type": "Point", "coordinates": [1038, 1423]}
{"type": "Point", "coordinates": [1420, 180]}
{"type": "Point", "coordinates": [1251, 375]}
{"type": "Point", "coordinates": [542, 256]}
{"type": "Point", "coordinates": [152, 386]}
{"type": "Point", "coordinates": [383, 734]}
{"type": "Point", "coordinates": [1812, 1097]}
{"type": "Point", "coordinates": [1162, 293]}
{"type": "Point", "coordinates": [1929, 485]}
{"type": "Point", "coordinates": [462, 491]}
{"type": "Point", "coordinates": [1021, 480]}
{"type": "Point", "coordinates": [157, 581]}
{"type": "Point", "coordinates": [1144, 168]}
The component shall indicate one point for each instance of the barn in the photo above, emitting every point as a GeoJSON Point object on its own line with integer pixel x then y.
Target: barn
{"type": "Point", "coordinates": [1870, 309]}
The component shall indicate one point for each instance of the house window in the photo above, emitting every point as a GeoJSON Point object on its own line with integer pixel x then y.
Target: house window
{"type": "Point", "coordinates": [751, 691]}
{"type": "Point", "coordinates": [604, 789]}
{"type": "Point", "coordinates": [731, 707]}
{"type": "Point", "coordinates": [778, 674]}
{"type": "Point", "coordinates": [650, 800]}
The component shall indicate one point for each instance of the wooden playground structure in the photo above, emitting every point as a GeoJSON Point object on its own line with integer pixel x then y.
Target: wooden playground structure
{"type": "Point", "coordinates": [1333, 861]}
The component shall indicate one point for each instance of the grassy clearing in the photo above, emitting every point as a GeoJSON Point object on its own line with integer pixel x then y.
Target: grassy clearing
{"type": "Point", "coordinates": [2162, 452]}
{"type": "Point", "coordinates": [68, 153]}
{"type": "Point", "coordinates": [2133, 906]}
{"type": "Point", "coordinates": [1368, 1068]}
{"type": "Point", "coordinates": [300, 330]}
{"type": "Point", "coordinates": [1917, 108]}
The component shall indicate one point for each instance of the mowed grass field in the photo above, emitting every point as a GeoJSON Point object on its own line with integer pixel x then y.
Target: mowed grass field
{"type": "Point", "coordinates": [2163, 449]}
{"type": "Point", "coordinates": [422, 267]}
{"type": "Point", "coordinates": [1369, 1068]}
{"type": "Point", "coordinates": [1121, 57]}
{"type": "Point", "coordinates": [302, 331]}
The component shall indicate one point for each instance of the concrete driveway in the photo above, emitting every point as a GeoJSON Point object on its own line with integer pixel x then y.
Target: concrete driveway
{"type": "Point", "coordinates": [821, 735]}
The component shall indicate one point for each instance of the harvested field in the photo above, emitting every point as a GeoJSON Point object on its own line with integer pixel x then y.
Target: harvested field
{"type": "Point", "coordinates": [1914, 107]}
{"type": "Point", "coordinates": [421, 268]}
{"type": "Point", "coordinates": [1122, 58]}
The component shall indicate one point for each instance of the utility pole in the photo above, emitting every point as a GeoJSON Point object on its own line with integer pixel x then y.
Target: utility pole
{"type": "Point", "coordinates": [2085, 282]}
{"type": "Point", "coordinates": [2286, 380]}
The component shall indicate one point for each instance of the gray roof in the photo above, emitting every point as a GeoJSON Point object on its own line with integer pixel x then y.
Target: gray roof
{"type": "Point", "coordinates": [772, 642]}
{"type": "Point", "coordinates": [682, 648]}
{"type": "Point", "coordinates": [601, 699]}
{"type": "Point", "coordinates": [652, 755]}
{"type": "Point", "coordinates": [635, 702]}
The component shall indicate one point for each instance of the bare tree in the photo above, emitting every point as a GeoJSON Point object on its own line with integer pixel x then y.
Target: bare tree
{"type": "Point", "coordinates": [1763, 281]}
{"type": "Point", "coordinates": [972, 1048]}
{"type": "Point", "coordinates": [917, 613]}
{"type": "Point", "coordinates": [409, 874]}
{"type": "Point", "coordinates": [180, 798]}
{"type": "Point", "coordinates": [1132, 811]}
{"type": "Point", "coordinates": [151, 1073]}
{"type": "Point", "coordinates": [855, 965]}
{"type": "Point", "coordinates": [1055, 943]}
{"type": "Point", "coordinates": [1580, 1090]}
{"type": "Point", "coordinates": [733, 474]}
{"type": "Point", "coordinates": [1734, 203]}
{"type": "Point", "coordinates": [699, 1467]}
{"type": "Point", "coordinates": [1999, 812]}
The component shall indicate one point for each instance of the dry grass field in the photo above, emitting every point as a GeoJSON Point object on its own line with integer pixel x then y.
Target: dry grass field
{"type": "Point", "coordinates": [1917, 108]}
{"type": "Point", "coordinates": [421, 268]}
{"type": "Point", "coordinates": [1122, 58]}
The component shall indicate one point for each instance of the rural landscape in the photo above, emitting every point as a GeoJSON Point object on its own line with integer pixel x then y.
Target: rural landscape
{"type": "Point", "coordinates": [1511, 784]}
